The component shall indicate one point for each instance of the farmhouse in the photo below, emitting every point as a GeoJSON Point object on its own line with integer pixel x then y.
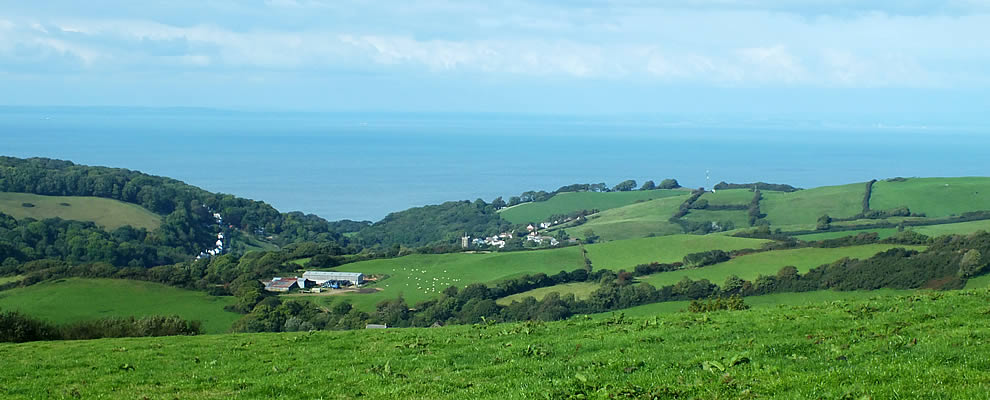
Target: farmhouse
{"type": "Point", "coordinates": [334, 277]}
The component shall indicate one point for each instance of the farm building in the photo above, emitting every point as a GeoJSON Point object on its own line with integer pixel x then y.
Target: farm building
{"type": "Point", "coordinates": [322, 277]}
{"type": "Point", "coordinates": [286, 284]}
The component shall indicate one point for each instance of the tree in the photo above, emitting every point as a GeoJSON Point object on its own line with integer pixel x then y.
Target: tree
{"type": "Point", "coordinates": [971, 264]}
{"type": "Point", "coordinates": [498, 203]}
{"type": "Point", "coordinates": [668, 184]}
{"type": "Point", "coordinates": [824, 223]}
{"type": "Point", "coordinates": [625, 186]}
{"type": "Point", "coordinates": [648, 185]}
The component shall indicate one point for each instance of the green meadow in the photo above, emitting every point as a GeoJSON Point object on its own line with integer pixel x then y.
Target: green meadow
{"type": "Point", "coordinates": [626, 254]}
{"type": "Point", "coordinates": [75, 299]}
{"type": "Point", "coordinates": [935, 197]}
{"type": "Point", "coordinates": [803, 207]}
{"type": "Point", "coordinates": [768, 263]}
{"type": "Point", "coordinates": [958, 228]}
{"type": "Point", "coordinates": [419, 277]}
{"type": "Point", "coordinates": [922, 345]}
{"type": "Point", "coordinates": [739, 218]}
{"type": "Point", "coordinates": [565, 203]}
{"type": "Point", "coordinates": [108, 213]}
{"type": "Point", "coordinates": [12, 278]}
{"type": "Point", "coordinates": [728, 197]}
{"type": "Point", "coordinates": [580, 290]}
{"type": "Point", "coordinates": [633, 221]}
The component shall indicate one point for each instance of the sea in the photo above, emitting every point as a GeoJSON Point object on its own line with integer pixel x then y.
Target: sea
{"type": "Point", "coordinates": [363, 166]}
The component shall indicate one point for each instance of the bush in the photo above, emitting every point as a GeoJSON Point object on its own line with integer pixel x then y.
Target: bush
{"type": "Point", "coordinates": [28, 205]}
{"type": "Point", "coordinates": [731, 303]}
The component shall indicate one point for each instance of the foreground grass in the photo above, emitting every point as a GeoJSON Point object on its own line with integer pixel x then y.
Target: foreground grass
{"type": "Point", "coordinates": [565, 203]}
{"type": "Point", "coordinates": [927, 345]}
{"type": "Point", "coordinates": [633, 221]}
{"type": "Point", "coordinates": [108, 213]}
{"type": "Point", "coordinates": [768, 263]}
{"type": "Point", "coordinates": [936, 197]}
{"type": "Point", "coordinates": [71, 300]}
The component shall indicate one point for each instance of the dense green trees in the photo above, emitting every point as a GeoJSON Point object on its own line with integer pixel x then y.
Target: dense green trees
{"type": "Point", "coordinates": [444, 223]}
{"type": "Point", "coordinates": [625, 186]}
{"type": "Point", "coordinates": [18, 328]}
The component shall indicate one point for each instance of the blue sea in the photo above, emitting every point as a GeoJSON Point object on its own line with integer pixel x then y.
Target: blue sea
{"type": "Point", "coordinates": [364, 165]}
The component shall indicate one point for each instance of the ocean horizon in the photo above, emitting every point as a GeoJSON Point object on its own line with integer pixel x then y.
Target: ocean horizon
{"type": "Point", "coordinates": [363, 166]}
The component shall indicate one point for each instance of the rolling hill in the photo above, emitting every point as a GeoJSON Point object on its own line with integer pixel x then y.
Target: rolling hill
{"type": "Point", "coordinates": [71, 300]}
{"type": "Point", "coordinates": [569, 202]}
{"type": "Point", "coordinates": [107, 213]}
{"type": "Point", "coordinates": [633, 221]}
{"type": "Point", "coordinates": [935, 197]}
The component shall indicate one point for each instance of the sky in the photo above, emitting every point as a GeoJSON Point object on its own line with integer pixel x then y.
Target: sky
{"type": "Point", "coordinates": [543, 56]}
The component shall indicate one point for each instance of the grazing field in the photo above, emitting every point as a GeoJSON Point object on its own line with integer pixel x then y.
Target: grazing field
{"type": "Point", "coordinates": [8, 279]}
{"type": "Point", "coordinates": [882, 232]}
{"type": "Point", "coordinates": [766, 301]}
{"type": "Point", "coordinates": [581, 290]}
{"type": "Point", "coordinates": [740, 197]}
{"type": "Point", "coordinates": [626, 254]}
{"type": "Point", "coordinates": [419, 277]}
{"type": "Point", "coordinates": [924, 345]}
{"type": "Point", "coordinates": [108, 213]}
{"type": "Point", "coordinates": [935, 197]}
{"type": "Point", "coordinates": [739, 218]}
{"type": "Point", "coordinates": [565, 203]}
{"type": "Point", "coordinates": [75, 299]}
{"type": "Point", "coordinates": [959, 228]}
{"type": "Point", "coordinates": [768, 263]}
{"type": "Point", "coordinates": [633, 221]}
{"type": "Point", "coordinates": [982, 281]}
{"type": "Point", "coordinates": [803, 207]}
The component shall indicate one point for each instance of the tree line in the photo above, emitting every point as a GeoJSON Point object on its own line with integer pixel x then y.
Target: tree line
{"type": "Point", "coordinates": [18, 328]}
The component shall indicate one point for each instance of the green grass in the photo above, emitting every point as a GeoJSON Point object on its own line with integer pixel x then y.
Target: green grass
{"type": "Point", "coordinates": [581, 290]}
{"type": "Point", "coordinates": [766, 301]}
{"type": "Point", "coordinates": [633, 221]}
{"type": "Point", "coordinates": [408, 279]}
{"type": "Point", "coordinates": [110, 214]}
{"type": "Point", "coordinates": [740, 197]}
{"type": "Point", "coordinates": [738, 218]}
{"type": "Point", "coordinates": [803, 207]}
{"type": "Point", "coordinates": [626, 254]}
{"type": "Point", "coordinates": [565, 203]}
{"type": "Point", "coordinates": [926, 345]}
{"type": "Point", "coordinates": [768, 263]}
{"type": "Point", "coordinates": [883, 232]}
{"type": "Point", "coordinates": [979, 282]}
{"type": "Point", "coordinates": [75, 299]}
{"type": "Point", "coordinates": [959, 228]}
{"type": "Point", "coordinates": [8, 279]}
{"type": "Point", "coordinates": [935, 197]}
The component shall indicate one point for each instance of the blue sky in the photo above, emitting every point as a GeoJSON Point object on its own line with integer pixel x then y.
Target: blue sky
{"type": "Point", "coordinates": [581, 56]}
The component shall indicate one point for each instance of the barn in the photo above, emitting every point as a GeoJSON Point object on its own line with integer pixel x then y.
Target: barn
{"type": "Point", "coordinates": [322, 277]}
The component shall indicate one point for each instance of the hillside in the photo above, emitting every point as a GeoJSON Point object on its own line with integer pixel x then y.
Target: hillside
{"type": "Point", "coordinates": [925, 345]}
{"type": "Point", "coordinates": [934, 197]}
{"type": "Point", "coordinates": [569, 202]}
{"type": "Point", "coordinates": [107, 213]}
{"type": "Point", "coordinates": [633, 221]}
{"type": "Point", "coordinates": [71, 300]}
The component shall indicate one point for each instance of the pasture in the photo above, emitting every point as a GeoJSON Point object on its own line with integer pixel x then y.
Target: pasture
{"type": "Point", "coordinates": [75, 299]}
{"type": "Point", "coordinates": [107, 213]}
{"type": "Point", "coordinates": [803, 207]}
{"type": "Point", "coordinates": [766, 301]}
{"type": "Point", "coordinates": [580, 290]}
{"type": "Point", "coordinates": [12, 278]}
{"type": "Point", "coordinates": [935, 197]}
{"type": "Point", "coordinates": [565, 203]}
{"type": "Point", "coordinates": [626, 254]}
{"type": "Point", "coordinates": [738, 218]}
{"type": "Point", "coordinates": [633, 221]}
{"type": "Point", "coordinates": [768, 263]}
{"type": "Point", "coordinates": [419, 277]}
{"type": "Point", "coordinates": [728, 197]}
{"type": "Point", "coordinates": [922, 345]}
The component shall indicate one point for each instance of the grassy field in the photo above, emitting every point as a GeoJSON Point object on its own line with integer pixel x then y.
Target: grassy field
{"type": "Point", "coordinates": [979, 282]}
{"type": "Point", "coordinates": [420, 277]}
{"type": "Point", "coordinates": [110, 214]}
{"type": "Point", "coordinates": [70, 300]}
{"type": "Point", "coordinates": [738, 218]}
{"type": "Point", "coordinates": [766, 301]}
{"type": "Point", "coordinates": [565, 203]}
{"type": "Point", "coordinates": [633, 221]}
{"type": "Point", "coordinates": [626, 254]}
{"type": "Point", "coordinates": [926, 345]}
{"type": "Point", "coordinates": [8, 279]}
{"type": "Point", "coordinates": [935, 197]}
{"type": "Point", "coordinates": [729, 197]}
{"type": "Point", "coordinates": [960, 228]}
{"type": "Point", "coordinates": [805, 206]}
{"type": "Point", "coordinates": [768, 263]}
{"type": "Point", "coordinates": [581, 290]}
